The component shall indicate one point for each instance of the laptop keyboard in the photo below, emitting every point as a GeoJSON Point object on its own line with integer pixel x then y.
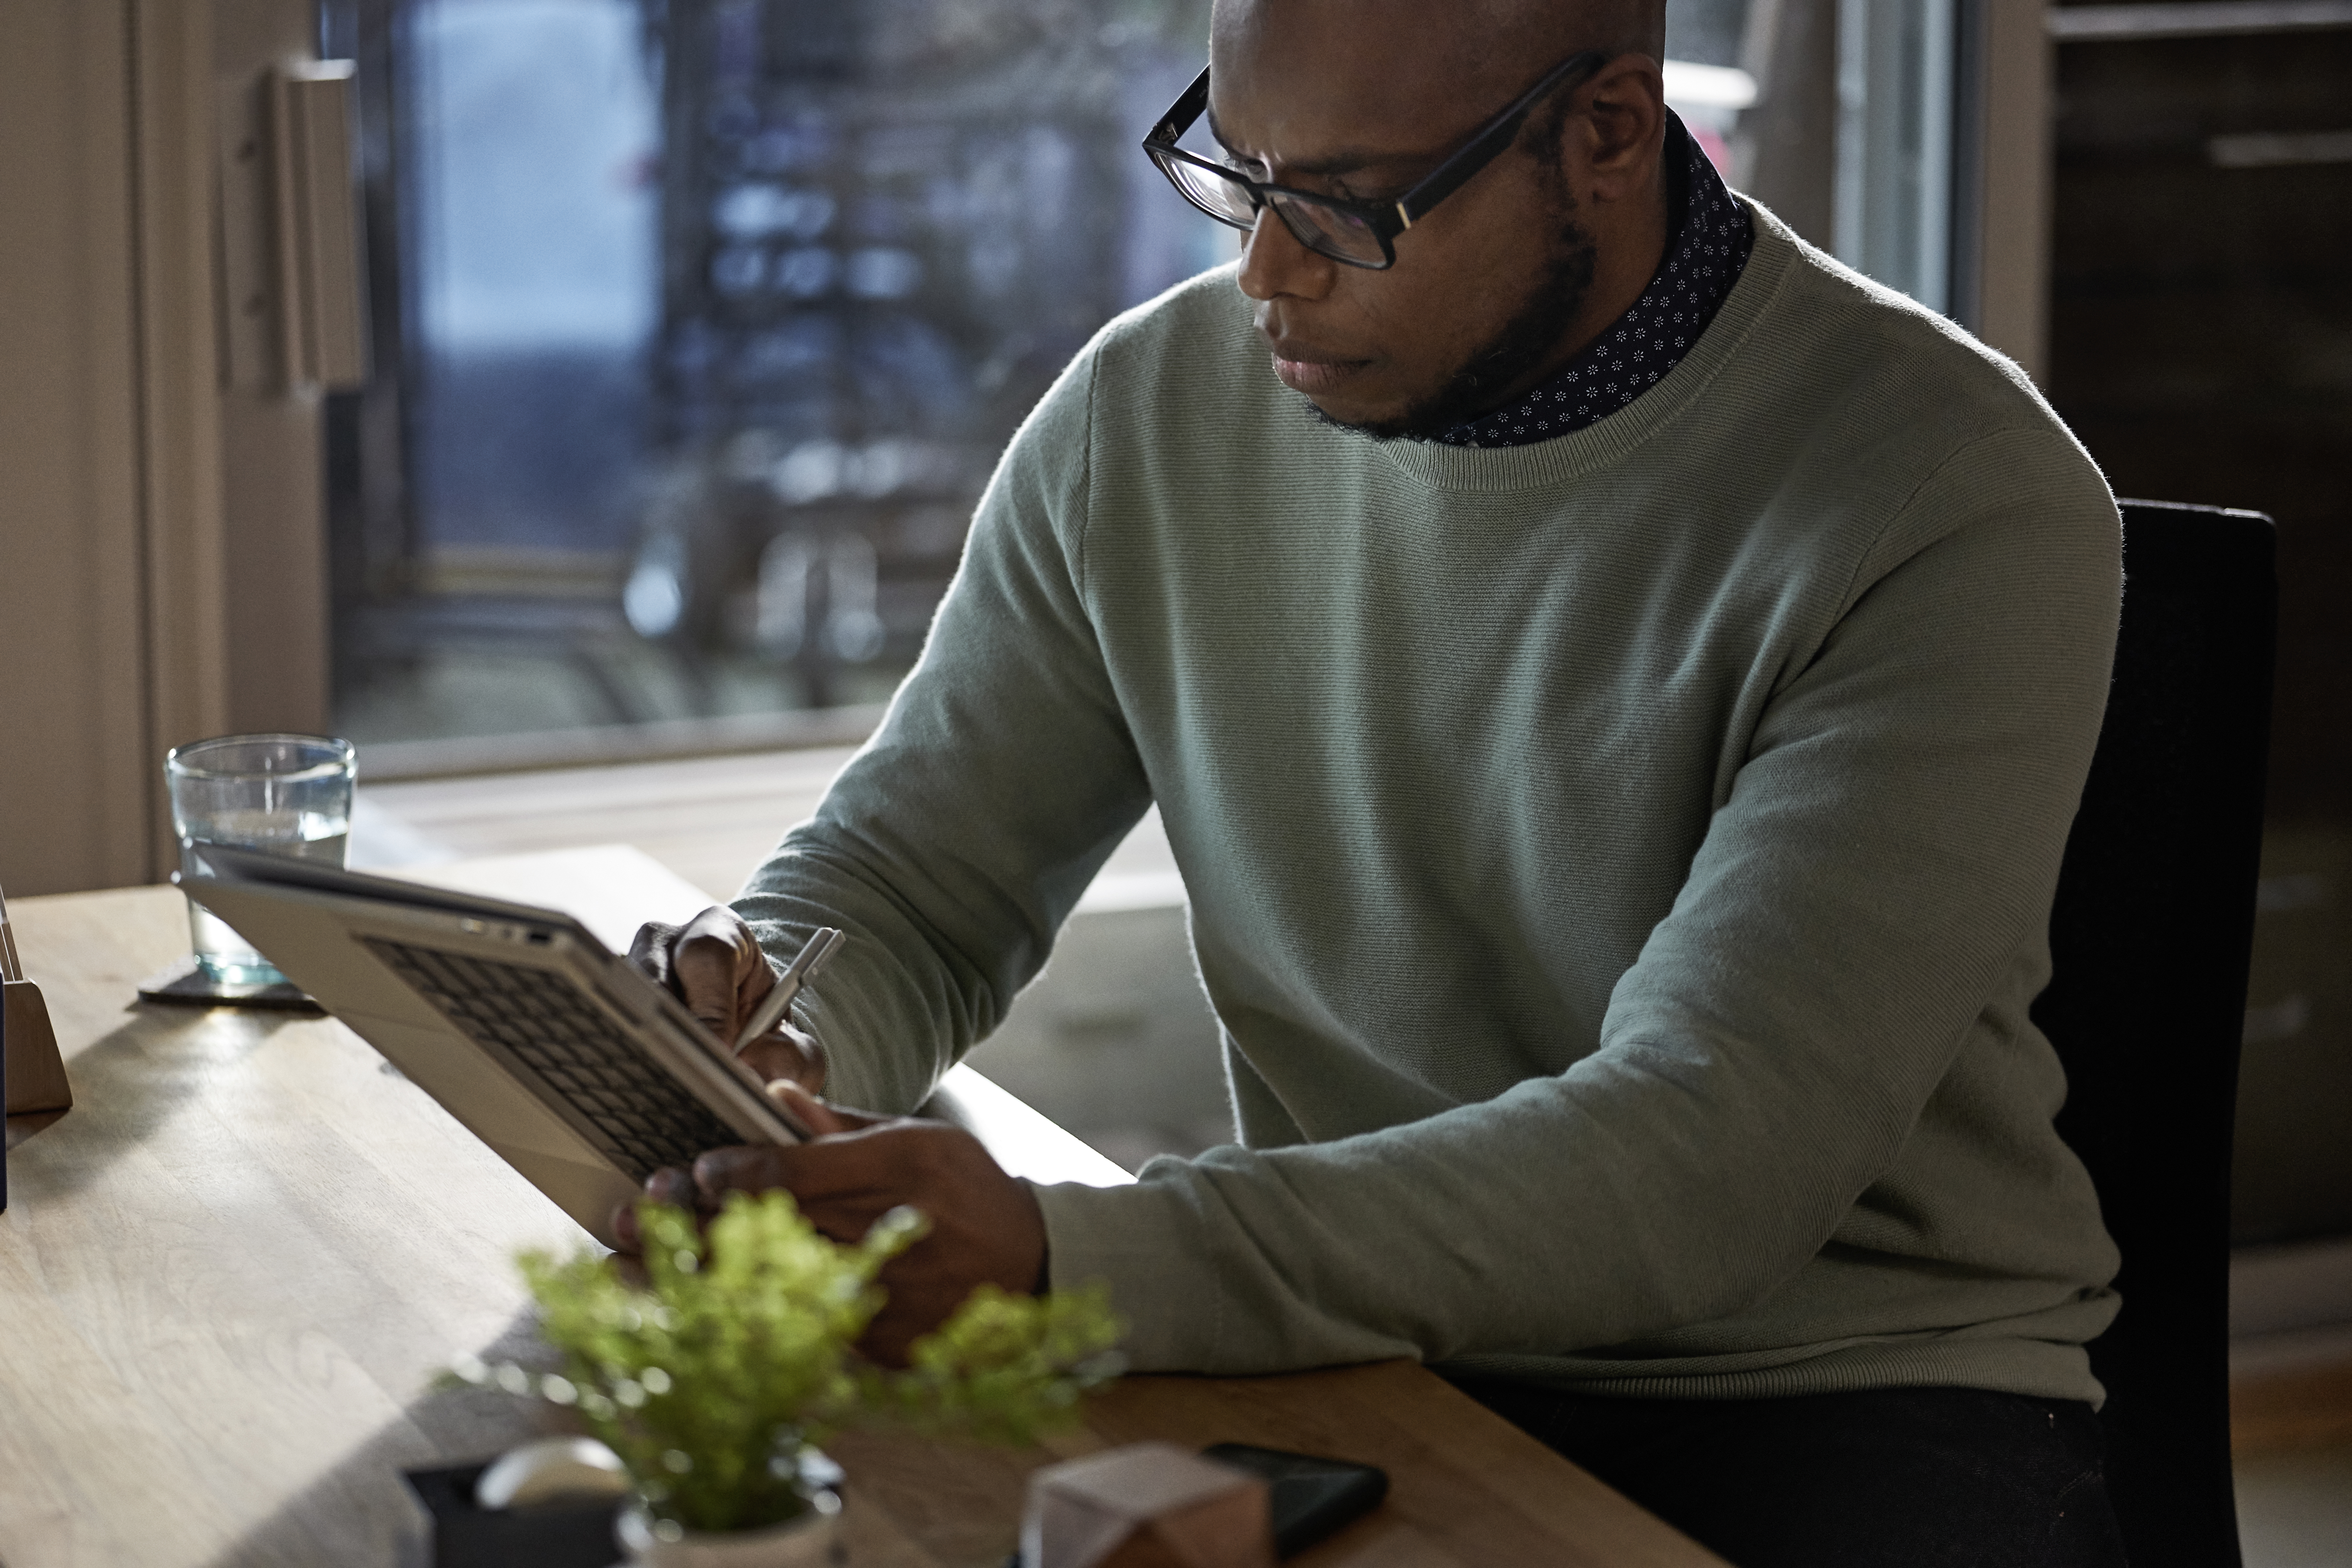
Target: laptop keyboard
{"type": "Point", "coordinates": [646, 1118]}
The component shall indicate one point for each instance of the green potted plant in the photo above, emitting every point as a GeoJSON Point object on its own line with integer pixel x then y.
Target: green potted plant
{"type": "Point", "coordinates": [715, 1378]}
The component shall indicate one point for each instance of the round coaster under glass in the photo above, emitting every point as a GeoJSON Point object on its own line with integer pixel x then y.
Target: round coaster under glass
{"type": "Point", "coordinates": [187, 985]}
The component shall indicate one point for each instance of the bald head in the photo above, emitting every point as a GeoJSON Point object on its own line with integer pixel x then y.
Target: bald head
{"type": "Point", "coordinates": [1476, 50]}
{"type": "Point", "coordinates": [1507, 37]}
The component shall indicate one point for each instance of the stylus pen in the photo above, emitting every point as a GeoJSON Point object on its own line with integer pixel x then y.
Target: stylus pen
{"type": "Point", "coordinates": [801, 969]}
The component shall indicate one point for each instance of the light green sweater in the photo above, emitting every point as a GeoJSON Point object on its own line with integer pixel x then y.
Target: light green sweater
{"type": "Point", "coordinates": [1621, 866]}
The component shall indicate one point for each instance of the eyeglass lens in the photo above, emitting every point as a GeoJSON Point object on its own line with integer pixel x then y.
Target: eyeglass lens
{"type": "Point", "coordinates": [1221, 198]}
{"type": "Point", "coordinates": [1330, 230]}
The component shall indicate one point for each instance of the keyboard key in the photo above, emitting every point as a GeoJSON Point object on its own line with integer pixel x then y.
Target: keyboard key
{"type": "Point", "coordinates": [645, 1118]}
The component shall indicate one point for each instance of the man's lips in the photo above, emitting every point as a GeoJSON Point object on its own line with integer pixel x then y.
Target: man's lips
{"type": "Point", "coordinates": [1311, 371]}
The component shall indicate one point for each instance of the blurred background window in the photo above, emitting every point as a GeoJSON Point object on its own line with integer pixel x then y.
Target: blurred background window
{"type": "Point", "coordinates": [700, 324]}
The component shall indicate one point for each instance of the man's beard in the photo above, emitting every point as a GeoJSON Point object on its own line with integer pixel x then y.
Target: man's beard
{"type": "Point", "coordinates": [1524, 342]}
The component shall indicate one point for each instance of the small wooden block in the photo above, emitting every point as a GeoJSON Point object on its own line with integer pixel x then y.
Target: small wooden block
{"type": "Point", "coordinates": [36, 1074]}
{"type": "Point", "coordinates": [1148, 1505]}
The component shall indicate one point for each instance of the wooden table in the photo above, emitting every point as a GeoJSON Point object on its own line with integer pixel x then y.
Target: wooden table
{"type": "Point", "coordinates": [228, 1275]}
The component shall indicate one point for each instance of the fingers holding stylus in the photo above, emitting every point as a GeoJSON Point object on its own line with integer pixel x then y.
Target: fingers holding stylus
{"type": "Point", "coordinates": [719, 972]}
{"type": "Point", "coordinates": [713, 963]}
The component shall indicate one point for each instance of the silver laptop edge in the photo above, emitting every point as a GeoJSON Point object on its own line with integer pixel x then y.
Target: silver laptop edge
{"type": "Point", "coordinates": [314, 923]}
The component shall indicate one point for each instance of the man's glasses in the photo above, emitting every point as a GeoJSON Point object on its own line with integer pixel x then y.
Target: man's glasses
{"type": "Point", "coordinates": [1361, 233]}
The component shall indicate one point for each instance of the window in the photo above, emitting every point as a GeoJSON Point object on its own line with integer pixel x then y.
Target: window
{"type": "Point", "coordinates": [700, 324]}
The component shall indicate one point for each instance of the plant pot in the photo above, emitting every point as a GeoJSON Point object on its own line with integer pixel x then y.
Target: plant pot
{"type": "Point", "coordinates": [809, 1542]}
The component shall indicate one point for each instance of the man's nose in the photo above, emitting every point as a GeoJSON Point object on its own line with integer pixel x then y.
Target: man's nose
{"type": "Point", "coordinates": [1274, 263]}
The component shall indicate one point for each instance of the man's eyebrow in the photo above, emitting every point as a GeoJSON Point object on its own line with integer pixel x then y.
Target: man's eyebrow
{"type": "Point", "coordinates": [1347, 160]}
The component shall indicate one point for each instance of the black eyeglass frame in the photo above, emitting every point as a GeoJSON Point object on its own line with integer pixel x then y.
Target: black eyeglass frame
{"type": "Point", "coordinates": [1384, 220]}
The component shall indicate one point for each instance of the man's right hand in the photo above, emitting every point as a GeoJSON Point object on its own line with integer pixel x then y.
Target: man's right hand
{"type": "Point", "coordinates": [714, 965]}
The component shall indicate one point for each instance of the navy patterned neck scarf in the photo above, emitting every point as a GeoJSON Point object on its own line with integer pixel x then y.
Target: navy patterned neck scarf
{"type": "Point", "coordinates": [1704, 258]}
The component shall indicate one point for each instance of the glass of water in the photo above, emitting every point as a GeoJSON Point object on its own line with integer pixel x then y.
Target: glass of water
{"type": "Point", "coordinates": [282, 795]}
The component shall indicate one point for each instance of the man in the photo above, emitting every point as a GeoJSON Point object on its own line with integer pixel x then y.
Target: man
{"type": "Point", "coordinates": [1619, 730]}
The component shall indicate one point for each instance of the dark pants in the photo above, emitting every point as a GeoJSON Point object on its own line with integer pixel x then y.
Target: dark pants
{"type": "Point", "coordinates": [1899, 1478]}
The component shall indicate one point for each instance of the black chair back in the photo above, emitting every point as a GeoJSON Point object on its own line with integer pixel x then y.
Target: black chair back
{"type": "Point", "coordinates": [2150, 941]}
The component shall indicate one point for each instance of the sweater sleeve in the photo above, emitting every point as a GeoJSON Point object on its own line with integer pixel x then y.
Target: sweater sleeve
{"type": "Point", "coordinates": [959, 838]}
{"type": "Point", "coordinates": [1884, 858]}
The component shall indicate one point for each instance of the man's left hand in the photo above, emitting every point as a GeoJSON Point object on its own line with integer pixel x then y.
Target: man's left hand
{"type": "Point", "coordinates": [986, 1226]}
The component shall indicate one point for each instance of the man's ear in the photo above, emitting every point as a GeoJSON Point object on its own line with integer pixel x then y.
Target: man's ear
{"type": "Point", "coordinates": [1619, 138]}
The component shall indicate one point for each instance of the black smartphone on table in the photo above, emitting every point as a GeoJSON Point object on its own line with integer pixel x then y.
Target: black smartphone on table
{"type": "Point", "coordinates": [1308, 1498]}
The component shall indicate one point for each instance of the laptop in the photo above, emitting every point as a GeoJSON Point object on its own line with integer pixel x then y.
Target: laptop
{"type": "Point", "coordinates": [566, 1059]}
